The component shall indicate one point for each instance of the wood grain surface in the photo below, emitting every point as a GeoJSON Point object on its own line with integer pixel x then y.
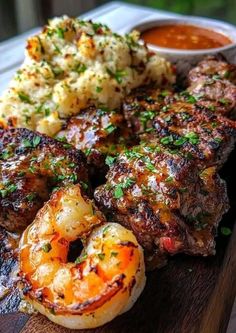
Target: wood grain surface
{"type": "Point", "coordinates": [189, 295]}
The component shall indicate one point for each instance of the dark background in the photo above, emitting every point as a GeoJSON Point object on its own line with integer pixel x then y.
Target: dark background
{"type": "Point", "coordinates": [17, 16]}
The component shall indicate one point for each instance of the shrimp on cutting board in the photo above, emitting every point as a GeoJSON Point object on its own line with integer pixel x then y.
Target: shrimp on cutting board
{"type": "Point", "coordinates": [103, 282]}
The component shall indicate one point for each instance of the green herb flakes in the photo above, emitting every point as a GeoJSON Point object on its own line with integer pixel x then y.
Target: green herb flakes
{"type": "Point", "coordinates": [47, 247]}
{"type": "Point", "coordinates": [225, 231]}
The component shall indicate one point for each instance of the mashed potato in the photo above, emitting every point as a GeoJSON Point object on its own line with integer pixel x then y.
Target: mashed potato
{"type": "Point", "coordinates": [72, 64]}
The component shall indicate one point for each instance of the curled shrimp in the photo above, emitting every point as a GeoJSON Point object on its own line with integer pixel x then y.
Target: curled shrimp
{"type": "Point", "coordinates": [104, 281]}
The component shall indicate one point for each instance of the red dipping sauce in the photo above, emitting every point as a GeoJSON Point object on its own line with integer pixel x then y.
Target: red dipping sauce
{"type": "Point", "coordinates": [185, 37]}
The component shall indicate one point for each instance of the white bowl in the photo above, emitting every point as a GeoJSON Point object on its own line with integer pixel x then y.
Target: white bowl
{"type": "Point", "coordinates": [185, 59]}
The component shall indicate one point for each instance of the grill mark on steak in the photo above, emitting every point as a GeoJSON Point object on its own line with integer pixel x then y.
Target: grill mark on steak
{"type": "Point", "coordinates": [31, 165]}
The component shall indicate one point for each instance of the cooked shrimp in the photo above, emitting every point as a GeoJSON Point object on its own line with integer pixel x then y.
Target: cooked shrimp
{"type": "Point", "coordinates": [104, 281]}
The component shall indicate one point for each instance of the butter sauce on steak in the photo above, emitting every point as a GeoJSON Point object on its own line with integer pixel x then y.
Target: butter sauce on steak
{"type": "Point", "coordinates": [170, 205]}
{"type": "Point", "coordinates": [98, 132]}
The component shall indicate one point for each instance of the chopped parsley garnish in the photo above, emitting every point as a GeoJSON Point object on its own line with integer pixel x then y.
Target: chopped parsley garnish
{"type": "Point", "coordinates": [166, 140]}
{"type": "Point", "coordinates": [118, 75]}
{"type": "Point", "coordinates": [150, 166]}
{"type": "Point", "coordinates": [84, 185]}
{"type": "Point", "coordinates": [218, 140]}
{"type": "Point", "coordinates": [114, 254]}
{"type": "Point", "coordinates": [192, 137]}
{"type": "Point", "coordinates": [98, 89]}
{"type": "Point", "coordinates": [31, 144]}
{"type": "Point", "coordinates": [224, 101]}
{"type": "Point", "coordinates": [97, 26]}
{"type": "Point", "coordinates": [47, 247]}
{"type": "Point", "coordinates": [145, 116]}
{"type": "Point", "coordinates": [60, 32]}
{"type": "Point", "coordinates": [80, 68]}
{"type": "Point", "coordinates": [167, 119]}
{"type": "Point", "coordinates": [57, 71]}
{"type": "Point", "coordinates": [81, 259]}
{"type": "Point", "coordinates": [5, 155]}
{"type": "Point", "coordinates": [132, 154]}
{"type": "Point", "coordinates": [128, 182]}
{"type": "Point", "coordinates": [227, 74]}
{"type": "Point", "coordinates": [165, 108]}
{"type": "Point", "coordinates": [56, 49]}
{"type": "Point", "coordinates": [216, 77]}
{"type": "Point", "coordinates": [36, 141]}
{"type": "Point", "coordinates": [21, 174]}
{"type": "Point", "coordinates": [183, 189]}
{"type": "Point", "coordinates": [225, 231]}
{"type": "Point", "coordinates": [87, 151]}
{"type": "Point", "coordinates": [105, 230]}
{"type": "Point", "coordinates": [211, 107]}
{"type": "Point", "coordinates": [110, 128]}
{"type": "Point", "coordinates": [30, 197]}
{"type": "Point", "coordinates": [73, 177]}
{"type": "Point", "coordinates": [164, 93]}
{"type": "Point", "coordinates": [24, 98]}
{"type": "Point", "coordinates": [169, 179]}
{"type": "Point", "coordinates": [101, 256]}
{"type": "Point", "coordinates": [8, 189]}
{"type": "Point", "coordinates": [191, 99]}
{"type": "Point", "coordinates": [180, 141]}
{"type": "Point", "coordinates": [110, 160]}
{"type": "Point", "coordinates": [185, 115]}
{"type": "Point", "coordinates": [118, 192]}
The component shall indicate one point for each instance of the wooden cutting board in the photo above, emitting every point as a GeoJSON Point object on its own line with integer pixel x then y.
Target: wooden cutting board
{"type": "Point", "coordinates": [189, 295]}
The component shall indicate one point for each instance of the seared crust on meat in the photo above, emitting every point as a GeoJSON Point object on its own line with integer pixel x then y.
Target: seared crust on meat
{"type": "Point", "coordinates": [98, 133]}
{"type": "Point", "coordinates": [216, 94]}
{"type": "Point", "coordinates": [142, 105]}
{"type": "Point", "coordinates": [31, 165]}
{"type": "Point", "coordinates": [159, 194]}
{"type": "Point", "coordinates": [213, 83]}
{"type": "Point", "coordinates": [210, 67]}
{"type": "Point", "coordinates": [200, 134]}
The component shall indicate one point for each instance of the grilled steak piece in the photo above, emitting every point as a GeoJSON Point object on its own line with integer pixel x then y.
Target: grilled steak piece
{"type": "Point", "coordinates": [213, 84]}
{"type": "Point", "coordinates": [98, 133]}
{"type": "Point", "coordinates": [217, 95]}
{"type": "Point", "coordinates": [213, 67]}
{"type": "Point", "coordinates": [141, 106]}
{"type": "Point", "coordinates": [31, 165]}
{"type": "Point", "coordinates": [161, 196]}
{"type": "Point", "coordinates": [199, 133]}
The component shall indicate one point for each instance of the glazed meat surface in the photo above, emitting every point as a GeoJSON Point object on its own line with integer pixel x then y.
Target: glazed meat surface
{"type": "Point", "coordinates": [142, 105]}
{"type": "Point", "coordinates": [198, 133]}
{"type": "Point", "coordinates": [213, 84]}
{"type": "Point", "coordinates": [31, 165]}
{"type": "Point", "coordinates": [160, 195]}
{"type": "Point", "coordinates": [98, 133]}
{"type": "Point", "coordinates": [215, 94]}
{"type": "Point", "coordinates": [212, 67]}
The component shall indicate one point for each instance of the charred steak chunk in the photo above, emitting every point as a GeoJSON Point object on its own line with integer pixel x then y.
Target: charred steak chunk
{"type": "Point", "coordinates": [163, 198]}
{"type": "Point", "coordinates": [217, 95]}
{"type": "Point", "coordinates": [31, 165]}
{"type": "Point", "coordinates": [98, 133]}
{"type": "Point", "coordinates": [213, 67]}
{"type": "Point", "coordinates": [142, 105]}
{"type": "Point", "coordinates": [213, 84]}
{"type": "Point", "coordinates": [199, 133]}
